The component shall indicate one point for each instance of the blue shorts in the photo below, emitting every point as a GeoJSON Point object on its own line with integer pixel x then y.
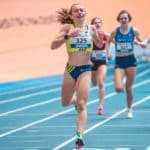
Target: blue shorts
{"type": "Point", "coordinates": [75, 71]}
{"type": "Point", "coordinates": [125, 62]}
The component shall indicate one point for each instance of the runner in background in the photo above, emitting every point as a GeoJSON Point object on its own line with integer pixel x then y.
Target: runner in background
{"type": "Point", "coordinates": [99, 60]}
{"type": "Point", "coordinates": [125, 61]}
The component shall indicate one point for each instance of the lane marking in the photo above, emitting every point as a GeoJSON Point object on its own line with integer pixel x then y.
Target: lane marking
{"type": "Point", "coordinates": [53, 90]}
{"type": "Point", "coordinates": [101, 123]}
{"type": "Point", "coordinates": [63, 112]}
{"type": "Point", "coordinates": [46, 85]}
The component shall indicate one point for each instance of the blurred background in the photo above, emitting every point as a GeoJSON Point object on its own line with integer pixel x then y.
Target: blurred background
{"type": "Point", "coordinates": [28, 26]}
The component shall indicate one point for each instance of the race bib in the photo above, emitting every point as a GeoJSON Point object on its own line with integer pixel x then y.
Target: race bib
{"type": "Point", "coordinates": [80, 42]}
{"type": "Point", "coordinates": [99, 55]}
{"type": "Point", "coordinates": [124, 47]}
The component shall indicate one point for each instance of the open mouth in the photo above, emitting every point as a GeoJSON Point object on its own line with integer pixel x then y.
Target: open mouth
{"type": "Point", "coordinates": [80, 16]}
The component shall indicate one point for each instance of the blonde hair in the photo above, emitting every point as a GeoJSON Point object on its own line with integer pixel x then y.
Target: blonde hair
{"type": "Point", "coordinates": [63, 15]}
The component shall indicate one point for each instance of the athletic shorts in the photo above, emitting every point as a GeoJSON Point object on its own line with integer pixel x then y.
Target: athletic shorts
{"type": "Point", "coordinates": [98, 63]}
{"type": "Point", "coordinates": [76, 71]}
{"type": "Point", "coordinates": [125, 62]}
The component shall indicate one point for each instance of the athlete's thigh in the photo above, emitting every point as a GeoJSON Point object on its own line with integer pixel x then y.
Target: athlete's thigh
{"type": "Point", "coordinates": [94, 77]}
{"type": "Point", "coordinates": [83, 85]}
{"type": "Point", "coordinates": [118, 77]}
{"type": "Point", "coordinates": [68, 86]}
{"type": "Point", "coordinates": [130, 74]}
{"type": "Point", "coordinates": [102, 72]}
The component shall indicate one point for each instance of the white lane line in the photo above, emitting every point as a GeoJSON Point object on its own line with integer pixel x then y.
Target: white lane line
{"type": "Point", "coordinates": [30, 106]}
{"type": "Point", "coordinates": [42, 85]}
{"type": "Point", "coordinates": [101, 123]}
{"type": "Point", "coordinates": [143, 73]}
{"type": "Point", "coordinates": [28, 96]}
{"type": "Point", "coordinates": [148, 148]}
{"type": "Point", "coordinates": [120, 148]}
{"type": "Point", "coordinates": [24, 89]}
{"type": "Point", "coordinates": [63, 112]}
{"type": "Point", "coordinates": [38, 93]}
{"type": "Point", "coordinates": [56, 89]}
{"type": "Point", "coordinates": [36, 122]}
{"type": "Point", "coordinates": [41, 103]}
{"type": "Point", "coordinates": [45, 92]}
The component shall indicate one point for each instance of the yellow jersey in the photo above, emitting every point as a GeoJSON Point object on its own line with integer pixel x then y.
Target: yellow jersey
{"type": "Point", "coordinates": [83, 42]}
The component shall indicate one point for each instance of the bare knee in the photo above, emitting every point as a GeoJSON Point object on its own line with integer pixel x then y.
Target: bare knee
{"type": "Point", "coordinates": [118, 89]}
{"type": "Point", "coordinates": [68, 100]}
{"type": "Point", "coordinates": [81, 105]}
{"type": "Point", "coordinates": [65, 101]}
{"type": "Point", "coordinates": [101, 85]}
{"type": "Point", "coordinates": [129, 89]}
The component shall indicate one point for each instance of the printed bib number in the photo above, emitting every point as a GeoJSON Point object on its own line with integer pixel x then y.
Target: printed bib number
{"type": "Point", "coordinates": [99, 55]}
{"type": "Point", "coordinates": [124, 47]}
{"type": "Point", "coordinates": [80, 42]}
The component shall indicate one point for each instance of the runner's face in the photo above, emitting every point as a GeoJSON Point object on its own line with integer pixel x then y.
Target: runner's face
{"type": "Point", "coordinates": [97, 23]}
{"type": "Point", "coordinates": [78, 13]}
{"type": "Point", "coordinates": [124, 19]}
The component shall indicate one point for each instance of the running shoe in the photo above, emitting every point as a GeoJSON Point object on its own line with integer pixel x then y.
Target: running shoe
{"type": "Point", "coordinates": [79, 144]}
{"type": "Point", "coordinates": [100, 111]}
{"type": "Point", "coordinates": [129, 114]}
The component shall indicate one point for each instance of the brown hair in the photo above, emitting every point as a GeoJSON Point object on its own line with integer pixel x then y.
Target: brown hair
{"type": "Point", "coordinates": [124, 12]}
{"type": "Point", "coordinates": [92, 21]}
{"type": "Point", "coordinates": [63, 15]}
